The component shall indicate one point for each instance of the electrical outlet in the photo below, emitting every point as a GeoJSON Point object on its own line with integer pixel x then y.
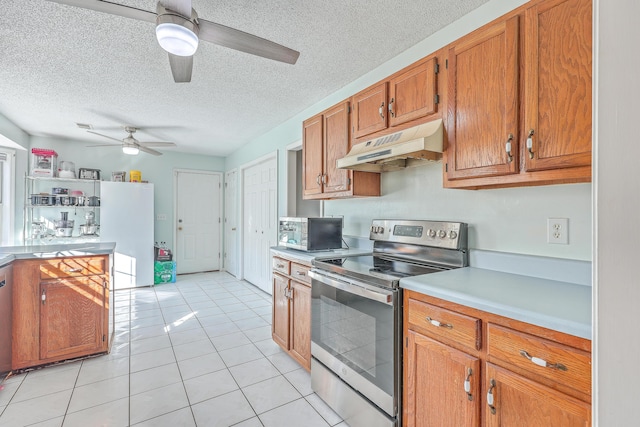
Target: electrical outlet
{"type": "Point", "coordinates": [161, 217]}
{"type": "Point", "coordinates": [558, 231]}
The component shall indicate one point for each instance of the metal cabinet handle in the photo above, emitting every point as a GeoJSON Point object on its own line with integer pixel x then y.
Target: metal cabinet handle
{"type": "Point", "coordinates": [73, 270]}
{"type": "Point", "coordinates": [318, 179]}
{"type": "Point", "coordinates": [467, 384]}
{"type": "Point", "coordinates": [439, 324]}
{"type": "Point", "coordinates": [508, 148]}
{"type": "Point", "coordinates": [43, 297]}
{"type": "Point", "coordinates": [391, 112]}
{"type": "Point", "coordinates": [280, 265]}
{"type": "Point", "coordinates": [381, 110]}
{"type": "Point", "coordinates": [324, 178]}
{"type": "Point", "coordinates": [490, 400]}
{"type": "Point", "coordinates": [530, 143]}
{"type": "Point", "coordinates": [543, 363]}
{"type": "Point", "coordinates": [301, 273]}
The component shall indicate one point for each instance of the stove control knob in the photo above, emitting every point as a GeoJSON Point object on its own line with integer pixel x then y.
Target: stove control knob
{"type": "Point", "coordinates": [431, 233]}
{"type": "Point", "coordinates": [373, 229]}
{"type": "Point", "coordinates": [380, 230]}
{"type": "Point", "coordinates": [453, 234]}
{"type": "Point", "coordinates": [442, 234]}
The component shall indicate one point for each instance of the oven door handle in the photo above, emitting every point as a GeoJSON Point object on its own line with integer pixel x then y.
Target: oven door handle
{"type": "Point", "coordinates": [352, 287]}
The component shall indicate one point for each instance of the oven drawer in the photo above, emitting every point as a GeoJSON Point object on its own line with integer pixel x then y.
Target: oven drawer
{"type": "Point", "coordinates": [542, 358]}
{"type": "Point", "coordinates": [300, 273]}
{"type": "Point", "coordinates": [281, 265]}
{"type": "Point", "coordinates": [443, 323]}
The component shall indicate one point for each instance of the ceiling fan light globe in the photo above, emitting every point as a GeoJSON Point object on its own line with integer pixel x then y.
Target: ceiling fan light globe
{"type": "Point", "coordinates": [177, 39]}
{"type": "Point", "coordinates": [133, 151]}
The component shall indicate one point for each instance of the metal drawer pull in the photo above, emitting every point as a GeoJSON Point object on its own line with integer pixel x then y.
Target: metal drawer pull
{"type": "Point", "coordinates": [544, 363]}
{"type": "Point", "coordinates": [530, 144]}
{"type": "Point", "coordinates": [73, 270]}
{"type": "Point", "coordinates": [43, 297]}
{"type": "Point", "coordinates": [490, 401]}
{"type": "Point", "coordinates": [380, 110]}
{"type": "Point", "coordinates": [438, 324]}
{"type": "Point", "coordinates": [301, 273]}
{"type": "Point", "coordinates": [393, 114]}
{"type": "Point", "coordinates": [279, 265]}
{"type": "Point", "coordinates": [467, 384]}
{"type": "Point", "coordinates": [318, 179]}
{"type": "Point", "coordinates": [508, 148]}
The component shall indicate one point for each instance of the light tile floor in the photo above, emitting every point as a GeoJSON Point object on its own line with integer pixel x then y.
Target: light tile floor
{"type": "Point", "coordinates": [194, 353]}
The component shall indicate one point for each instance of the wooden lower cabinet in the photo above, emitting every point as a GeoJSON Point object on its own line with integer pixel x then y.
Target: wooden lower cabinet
{"type": "Point", "coordinates": [516, 374]}
{"type": "Point", "coordinates": [291, 319]}
{"type": "Point", "coordinates": [61, 309]}
{"type": "Point", "coordinates": [435, 372]}
{"type": "Point", "coordinates": [519, 401]}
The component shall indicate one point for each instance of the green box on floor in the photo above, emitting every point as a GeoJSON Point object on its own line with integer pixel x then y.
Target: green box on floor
{"type": "Point", "coordinates": [164, 272]}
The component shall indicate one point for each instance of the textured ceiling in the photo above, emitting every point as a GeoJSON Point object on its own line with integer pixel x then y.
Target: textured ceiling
{"type": "Point", "coordinates": [60, 65]}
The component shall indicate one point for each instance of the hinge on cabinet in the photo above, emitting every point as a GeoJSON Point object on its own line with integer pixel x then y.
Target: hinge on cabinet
{"type": "Point", "coordinates": [436, 68]}
{"type": "Point", "coordinates": [348, 181]}
{"type": "Point", "coordinates": [218, 220]}
{"type": "Point", "coordinates": [348, 109]}
{"type": "Point", "coordinates": [436, 99]}
{"type": "Point", "coordinates": [446, 63]}
{"type": "Point", "coordinates": [446, 167]}
{"type": "Point", "coordinates": [104, 338]}
{"type": "Point", "coordinates": [406, 342]}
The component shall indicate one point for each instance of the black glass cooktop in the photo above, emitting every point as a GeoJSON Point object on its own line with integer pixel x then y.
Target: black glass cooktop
{"type": "Point", "coordinates": [381, 270]}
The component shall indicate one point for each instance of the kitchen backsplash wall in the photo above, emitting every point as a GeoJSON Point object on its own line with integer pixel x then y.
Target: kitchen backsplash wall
{"type": "Point", "coordinates": [504, 220]}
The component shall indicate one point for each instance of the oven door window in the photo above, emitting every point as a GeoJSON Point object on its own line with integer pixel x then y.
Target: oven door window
{"type": "Point", "coordinates": [357, 331]}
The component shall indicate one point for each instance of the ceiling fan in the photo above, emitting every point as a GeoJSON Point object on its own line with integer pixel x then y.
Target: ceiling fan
{"type": "Point", "coordinates": [178, 30]}
{"type": "Point", "coordinates": [132, 146]}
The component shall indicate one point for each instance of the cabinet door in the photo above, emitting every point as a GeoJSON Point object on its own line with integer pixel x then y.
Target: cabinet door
{"type": "Point", "coordinates": [369, 110]}
{"type": "Point", "coordinates": [518, 401]}
{"type": "Point", "coordinates": [434, 385]}
{"type": "Point", "coordinates": [72, 317]}
{"type": "Point", "coordinates": [557, 79]}
{"type": "Point", "coordinates": [300, 322]}
{"type": "Point", "coordinates": [483, 103]}
{"type": "Point", "coordinates": [312, 152]}
{"type": "Point", "coordinates": [280, 321]}
{"type": "Point", "coordinates": [412, 93]}
{"type": "Point", "coordinates": [336, 146]}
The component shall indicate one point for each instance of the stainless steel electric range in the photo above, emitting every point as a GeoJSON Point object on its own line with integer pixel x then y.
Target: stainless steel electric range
{"type": "Point", "coordinates": [356, 316]}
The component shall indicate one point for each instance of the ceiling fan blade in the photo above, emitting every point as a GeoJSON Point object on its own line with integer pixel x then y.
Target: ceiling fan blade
{"type": "Point", "coordinates": [105, 136]}
{"type": "Point", "coordinates": [156, 144]}
{"type": "Point", "coordinates": [183, 7]}
{"type": "Point", "coordinates": [112, 8]}
{"type": "Point", "coordinates": [104, 145]}
{"type": "Point", "coordinates": [245, 42]}
{"type": "Point", "coordinates": [181, 68]}
{"type": "Point", "coordinates": [149, 150]}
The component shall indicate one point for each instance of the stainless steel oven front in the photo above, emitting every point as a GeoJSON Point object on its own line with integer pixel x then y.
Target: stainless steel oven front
{"type": "Point", "coordinates": [355, 346]}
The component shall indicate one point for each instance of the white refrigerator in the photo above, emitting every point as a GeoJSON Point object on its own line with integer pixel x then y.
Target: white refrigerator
{"type": "Point", "coordinates": [127, 218]}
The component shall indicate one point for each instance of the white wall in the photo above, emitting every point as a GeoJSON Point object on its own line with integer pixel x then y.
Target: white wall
{"type": "Point", "coordinates": [616, 213]}
{"type": "Point", "coordinates": [506, 220]}
{"type": "Point", "coordinates": [155, 169]}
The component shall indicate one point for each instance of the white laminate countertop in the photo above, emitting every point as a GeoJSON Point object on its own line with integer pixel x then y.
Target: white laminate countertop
{"type": "Point", "coordinates": [310, 256]}
{"type": "Point", "coordinates": [10, 253]}
{"type": "Point", "coordinates": [561, 306]}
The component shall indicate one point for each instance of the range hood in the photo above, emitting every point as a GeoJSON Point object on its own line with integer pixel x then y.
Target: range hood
{"type": "Point", "coordinates": [410, 147]}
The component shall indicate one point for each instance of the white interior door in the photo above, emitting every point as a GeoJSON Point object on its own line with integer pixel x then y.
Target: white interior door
{"type": "Point", "coordinates": [231, 222]}
{"type": "Point", "coordinates": [198, 221]}
{"type": "Point", "coordinates": [260, 212]}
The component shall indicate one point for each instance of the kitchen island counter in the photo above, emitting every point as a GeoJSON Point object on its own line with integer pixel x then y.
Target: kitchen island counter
{"type": "Point", "coordinates": [557, 305]}
{"type": "Point", "coordinates": [10, 253]}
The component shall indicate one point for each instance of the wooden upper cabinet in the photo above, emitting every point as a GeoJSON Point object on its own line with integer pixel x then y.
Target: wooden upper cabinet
{"type": "Point", "coordinates": [312, 152]}
{"type": "Point", "coordinates": [336, 146]}
{"type": "Point", "coordinates": [325, 139]}
{"type": "Point", "coordinates": [369, 110]}
{"type": "Point", "coordinates": [557, 85]}
{"type": "Point", "coordinates": [412, 93]}
{"type": "Point", "coordinates": [483, 103]}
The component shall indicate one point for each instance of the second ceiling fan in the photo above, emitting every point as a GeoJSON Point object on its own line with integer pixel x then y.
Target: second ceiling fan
{"type": "Point", "coordinates": [179, 29]}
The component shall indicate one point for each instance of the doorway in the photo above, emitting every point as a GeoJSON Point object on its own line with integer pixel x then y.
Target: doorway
{"type": "Point", "coordinates": [231, 222]}
{"type": "Point", "coordinates": [198, 224]}
{"type": "Point", "coordinates": [259, 220]}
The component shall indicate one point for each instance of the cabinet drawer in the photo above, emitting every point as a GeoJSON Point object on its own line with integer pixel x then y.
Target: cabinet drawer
{"type": "Point", "coordinates": [440, 322]}
{"type": "Point", "coordinates": [299, 273]}
{"type": "Point", "coordinates": [281, 265]}
{"type": "Point", "coordinates": [566, 365]}
{"type": "Point", "coordinates": [72, 267]}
